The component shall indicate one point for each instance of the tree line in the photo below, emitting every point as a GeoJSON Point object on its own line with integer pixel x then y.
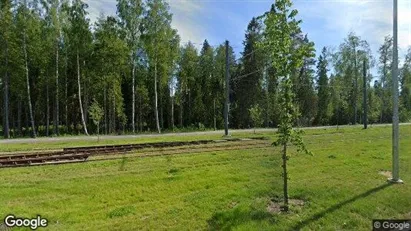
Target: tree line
{"type": "Point", "coordinates": [57, 70]}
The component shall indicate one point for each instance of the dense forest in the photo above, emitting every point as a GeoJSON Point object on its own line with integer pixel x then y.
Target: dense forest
{"type": "Point", "coordinates": [131, 73]}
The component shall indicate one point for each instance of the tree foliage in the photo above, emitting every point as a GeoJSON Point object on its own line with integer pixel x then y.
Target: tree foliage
{"type": "Point", "coordinates": [323, 89]}
{"type": "Point", "coordinates": [256, 116]}
{"type": "Point", "coordinates": [281, 25]}
{"type": "Point", "coordinates": [55, 62]}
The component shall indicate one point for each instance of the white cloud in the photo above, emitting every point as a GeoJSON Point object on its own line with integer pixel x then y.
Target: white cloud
{"type": "Point", "coordinates": [186, 15]}
{"type": "Point", "coordinates": [96, 7]}
{"type": "Point", "coordinates": [372, 20]}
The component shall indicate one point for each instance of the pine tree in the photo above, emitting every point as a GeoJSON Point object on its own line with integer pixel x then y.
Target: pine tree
{"type": "Point", "coordinates": [204, 114]}
{"type": "Point", "coordinates": [248, 88]}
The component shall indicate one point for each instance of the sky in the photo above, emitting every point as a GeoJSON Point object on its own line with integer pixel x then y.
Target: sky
{"type": "Point", "coordinates": [326, 22]}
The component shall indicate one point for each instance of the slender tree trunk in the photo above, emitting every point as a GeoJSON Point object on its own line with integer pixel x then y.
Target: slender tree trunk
{"type": "Point", "coordinates": [105, 110]}
{"type": "Point", "coordinates": [189, 108]}
{"type": "Point", "coordinates": [172, 113]}
{"type": "Point", "coordinates": [382, 92]}
{"type": "Point", "coordinates": [6, 130]}
{"type": "Point", "coordinates": [133, 106]}
{"type": "Point", "coordinates": [338, 110]}
{"type": "Point", "coordinates": [19, 110]}
{"type": "Point", "coordinates": [267, 108]}
{"type": "Point", "coordinates": [109, 116]}
{"type": "Point", "coordinates": [98, 132]}
{"type": "Point", "coordinates": [114, 115]}
{"type": "Point", "coordinates": [28, 85]}
{"type": "Point", "coordinates": [47, 107]}
{"type": "Point", "coordinates": [79, 94]}
{"type": "Point", "coordinates": [161, 110]}
{"type": "Point", "coordinates": [26, 120]}
{"type": "Point", "coordinates": [56, 114]}
{"type": "Point", "coordinates": [356, 87]}
{"type": "Point", "coordinates": [285, 177]}
{"type": "Point", "coordinates": [12, 122]}
{"type": "Point", "coordinates": [140, 115]}
{"type": "Point", "coordinates": [181, 109]}
{"type": "Point", "coordinates": [161, 105]}
{"type": "Point", "coordinates": [215, 118]}
{"type": "Point", "coordinates": [365, 119]}
{"type": "Point", "coordinates": [156, 97]}
{"type": "Point", "coordinates": [66, 94]}
{"type": "Point", "coordinates": [382, 109]}
{"type": "Point", "coordinates": [86, 85]}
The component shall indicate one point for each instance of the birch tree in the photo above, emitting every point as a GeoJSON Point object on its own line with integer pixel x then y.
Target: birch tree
{"type": "Point", "coordinates": [130, 13]}
{"type": "Point", "coordinates": [24, 21]}
{"type": "Point", "coordinates": [157, 24]}
{"type": "Point", "coordinates": [80, 37]}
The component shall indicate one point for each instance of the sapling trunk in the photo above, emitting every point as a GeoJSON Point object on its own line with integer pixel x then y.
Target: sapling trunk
{"type": "Point", "coordinates": [56, 115]}
{"type": "Point", "coordinates": [98, 132]}
{"type": "Point", "coordinates": [215, 119]}
{"type": "Point", "coordinates": [133, 110]}
{"type": "Point", "coordinates": [156, 98]}
{"type": "Point", "coordinates": [285, 178]}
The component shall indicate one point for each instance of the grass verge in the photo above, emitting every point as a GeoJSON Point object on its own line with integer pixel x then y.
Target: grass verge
{"type": "Point", "coordinates": [341, 186]}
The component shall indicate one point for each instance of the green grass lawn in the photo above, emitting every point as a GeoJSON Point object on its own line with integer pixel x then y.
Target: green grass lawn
{"type": "Point", "coordinates": [223, 190]}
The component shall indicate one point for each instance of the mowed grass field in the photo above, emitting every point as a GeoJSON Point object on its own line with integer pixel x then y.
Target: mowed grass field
{"type": "Point", "coordinates": [341, 186]}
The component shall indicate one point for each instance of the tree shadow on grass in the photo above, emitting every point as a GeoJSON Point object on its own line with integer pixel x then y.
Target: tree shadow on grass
{"type": "Point", "coordinates": [227, 220]}
{"type": "Point", "coordinates": [332, 209]}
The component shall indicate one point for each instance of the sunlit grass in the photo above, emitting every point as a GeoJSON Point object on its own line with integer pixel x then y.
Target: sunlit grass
{"type": "Point", "coordinates": [340, 184]}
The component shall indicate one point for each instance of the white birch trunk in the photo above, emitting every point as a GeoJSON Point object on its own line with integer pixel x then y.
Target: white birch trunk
{"type": "Point", "coordinates": [28, 85]}
{"type": "Point", "coordinates": [79, 95]}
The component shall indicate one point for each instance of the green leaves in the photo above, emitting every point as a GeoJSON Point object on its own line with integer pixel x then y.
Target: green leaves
{"type": "Point", "coordinates": [130, 13]}
{"type": "Point", "coordinates": [96, 112]}
{"type": "Point", "coordinates": [285, 57]}
{"type": "Point", "coordinates": [79, 33]}
{"type": "Point", "coordinates": [323, 89]}
{"type": "Point", "coordinates": [256, 115]}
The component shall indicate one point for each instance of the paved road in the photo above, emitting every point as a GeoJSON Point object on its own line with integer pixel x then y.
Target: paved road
{"type": "Point", "coordinates": [120, 137]}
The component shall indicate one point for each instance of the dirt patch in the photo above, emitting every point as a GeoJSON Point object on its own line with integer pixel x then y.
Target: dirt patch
{"type": "Point", "coordinates": [386, 173]}
{"type": "Point", "coordinates": [232, 204]}
{"type": "Point", "coordinates": [275, 206]}
{"type": "Point", "coordinates": [296, 202]}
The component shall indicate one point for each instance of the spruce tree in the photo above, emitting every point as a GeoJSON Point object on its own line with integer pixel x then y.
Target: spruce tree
{"type": "Point", "coordinates": [323, 88]}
